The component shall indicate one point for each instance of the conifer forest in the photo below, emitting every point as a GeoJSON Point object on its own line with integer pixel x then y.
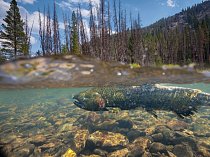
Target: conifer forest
{"type": "Point", "coordinates": [112, 35]}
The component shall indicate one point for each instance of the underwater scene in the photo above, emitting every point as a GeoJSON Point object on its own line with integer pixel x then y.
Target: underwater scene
{"type": "Point", "coordinates": [49, 122]}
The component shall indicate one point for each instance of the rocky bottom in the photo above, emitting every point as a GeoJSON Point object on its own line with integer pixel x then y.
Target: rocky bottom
{"type": "Point", "coordinates": [61, 129]}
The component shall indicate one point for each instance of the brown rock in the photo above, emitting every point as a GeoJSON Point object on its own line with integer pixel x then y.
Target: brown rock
{"type": "Point", "coordinates": [121, 153]}
{"type": "Point", "coordinates": [107, 139]}
{"type": "Point", "coordinates": [138, 147]}
{"type": "Point", "coordinates": [177, 125]}
{"type": "Point", "coordinates": [80, 139]}
{"type": "Point", "coordinates": [181, 150]}
{"type": "Point", "coordinates": [38, 140]}
{"type": "Point", "coordinates": [157, 147]}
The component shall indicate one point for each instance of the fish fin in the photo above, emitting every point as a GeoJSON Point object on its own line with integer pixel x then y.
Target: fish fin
{"type": "Point", "coordinates": [189, 112]}
{"type": "Point", "coordinates": [152, 112]}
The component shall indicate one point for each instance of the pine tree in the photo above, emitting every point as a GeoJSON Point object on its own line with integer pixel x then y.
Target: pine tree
{"type": "Point", "coordinates": [13, 35]}
{"type": "Point", "coordinates": [74, 32]}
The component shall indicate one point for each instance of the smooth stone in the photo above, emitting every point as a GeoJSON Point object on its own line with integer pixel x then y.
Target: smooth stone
{"type": "Point", "coordinates": [69, 153]}
{"type": "Point", "coordinates": [107, 139]}
{"type": "Point", "coordinates": [157, 147]}
{"type": "Point", "coordinates": [177, 125]}
{"type": "Point", "coordinates": [133, 134]}
{"type": "Point", "coordinates": [125, 123]}
{"type": "Point", "coordinates": [204, 151]}
{"type": "Point", "coordinates": [80, 139]}
{"type": "Point", "coordinates": [182, 150]}
{"type": "Point", "coordinates": [157, 137]}
{"type": "Point", "coordinates": [24, 151]}
{"type": "Point", "coordinates": [138, 146]}
{"type": "Point", "coordinates": [135, 151]}
{"type": "Point", "coordinates": [38, 140]}
{"type": "Point", "coordinates": [188, 140]}
{"type": "Point", "coordinates": [168, 134]}
{"type": "Point", "coordinates": [100, 152]}
{"type": "Point", "coordinates": [120, 153]}
{"type": "Point", "coordinates": [47, 146]}
{"type": "Point", "coordinates": [67, 127]}
{"type": "Point", "coordinates": [142, 142]}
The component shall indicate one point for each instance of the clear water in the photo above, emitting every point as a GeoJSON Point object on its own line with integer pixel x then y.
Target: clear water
{"type": "Point", "coordinates": [45, 122]}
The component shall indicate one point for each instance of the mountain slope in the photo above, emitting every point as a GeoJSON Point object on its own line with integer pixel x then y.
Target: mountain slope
{"type": "Point", "coordinates": [190, 16]}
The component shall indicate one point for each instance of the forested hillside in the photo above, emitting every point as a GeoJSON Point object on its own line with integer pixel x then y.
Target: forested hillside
{"type": "Point", "coordinates": [114, 34]}
{"type": "Point", "coordinates": [182, 38]}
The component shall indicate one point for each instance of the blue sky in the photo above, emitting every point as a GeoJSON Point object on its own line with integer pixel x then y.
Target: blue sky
{"type": "Point", "coordinates": [150, 10]}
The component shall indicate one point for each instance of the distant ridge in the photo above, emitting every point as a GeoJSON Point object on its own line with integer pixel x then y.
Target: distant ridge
{"type": "Point", "coordinates": [189, 16]}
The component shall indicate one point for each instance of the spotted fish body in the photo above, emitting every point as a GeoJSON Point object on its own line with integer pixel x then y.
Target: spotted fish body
{"type": "Point", "coordinates": [182, 101]}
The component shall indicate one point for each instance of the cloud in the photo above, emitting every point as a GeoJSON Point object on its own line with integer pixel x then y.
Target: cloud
{"type": "Point", "coordinates": [171, 3]}
{"type": "Point", "coordinates": [73, 5]}
{"type": "Point", "coordinates": [27, 1]}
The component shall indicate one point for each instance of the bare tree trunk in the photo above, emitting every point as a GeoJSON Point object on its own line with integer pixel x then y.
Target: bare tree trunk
{"type": "Point", "coordinates": [42, 32]}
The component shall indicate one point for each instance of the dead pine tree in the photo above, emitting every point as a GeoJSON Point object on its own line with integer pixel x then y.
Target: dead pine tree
{"type": "Point", "coordinates": [56, 33]}
{"type": "Point", "coordinates": [42, 32]}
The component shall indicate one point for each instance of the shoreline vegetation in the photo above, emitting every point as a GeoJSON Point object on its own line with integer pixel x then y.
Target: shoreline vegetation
{"type": "Point", "coordinates": [181, 39]}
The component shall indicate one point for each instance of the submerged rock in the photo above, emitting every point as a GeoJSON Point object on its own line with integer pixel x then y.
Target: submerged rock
{"type": "Point", "coordinates": [38, 140]}
{"type": "Point", "coordinates": [100, 152]}
{"type": "Point", "coordinates": [69, 153]}
{"type": "Point", "coordinates": [157, 147]}
{"type": "Point", "coordinates": [24, 151]}
{"type": "Point", "coordinates": [183, 150]}
{"type": "Point", "coordinates": [80, 139]}
{"type": "Point", "coordinates": [120, 153]}
{"type": "Point", "coordinates": [133, 134]}
{"type": "Point", "coordinates": [107, 140]}
{"type": "Point", "coordinates": [177, 125]}
{"type": "Point", "coordinates": [139, 146]}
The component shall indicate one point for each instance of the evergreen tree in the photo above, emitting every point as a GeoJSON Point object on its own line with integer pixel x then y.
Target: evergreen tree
{"type": "Point", "coordinates": [13, 34]}
{"type": "Point", "coordinates": [74, 31]}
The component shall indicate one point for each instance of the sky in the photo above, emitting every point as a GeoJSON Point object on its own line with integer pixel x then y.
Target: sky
{"type": "Point", "coordinates": [150, 11]}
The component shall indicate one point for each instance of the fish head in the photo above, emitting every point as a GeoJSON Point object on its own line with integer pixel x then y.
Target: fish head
{"type": "Point", "coordinates": [90, 100]}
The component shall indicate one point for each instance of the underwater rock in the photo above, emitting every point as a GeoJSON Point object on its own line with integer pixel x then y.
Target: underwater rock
{"type": "Point", "coordinates": [177, 125]}
{"type": "Point", "coordinates": [80, 139]}
{"type": "Point", "coordinates": [181, 150]}
{"type": "Point", "coordinates": [200, 129]}
{"type": "Point", "coordinates": [24, 151]}
{"type": "Point", "coordinates": [142, 142]}
{"type": "Point", "coordinates": [125, 123]}
{"type": "Point", "coordinates": [100, 152]}
{"type": "Point", "coordinates": [157, 137]}
{"type": "Point", "coordinates": [69, 153]}
{"type": "Point", "coordinates": [150, 130]}
{"type": "Point", "coordinates": [92, 155]}
{"type": "Point", "coordinates": [38, 140]}
{"type": "Point", "coordinates": [107, 140]}
{"type": "Point", "coordinates": [133, 134]}
{"type": "Point", "coordinates": [205, 142]}
{"type": "Point", "coordinates": [204, 151]}
{"type": "Point", "coordinates": [108, 125]}
{"type": "Point", "coordinates": [157, 147]}
{"type": "Point", "coordinates": [67, 127]}
{"type": "Point", "coordinates": [47, 146]}
{"type": "Point", "coordinates": [188, 141]}
{"type": "Point", "coordinates": [168, 134]}
{"type": "Point", "coordinates": [138, 146]}
{"type": "Point", "coordinates": [120, 153]}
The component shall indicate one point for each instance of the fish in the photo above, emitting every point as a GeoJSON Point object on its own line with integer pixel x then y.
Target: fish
{"type": "Point", "coordinates": [151, 97]}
